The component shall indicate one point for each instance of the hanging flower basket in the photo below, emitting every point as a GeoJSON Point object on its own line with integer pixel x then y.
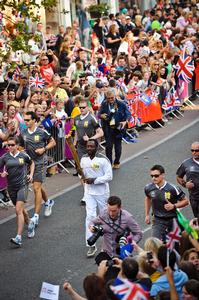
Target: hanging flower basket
{"type": "Point", "coordinates": [98, 10]}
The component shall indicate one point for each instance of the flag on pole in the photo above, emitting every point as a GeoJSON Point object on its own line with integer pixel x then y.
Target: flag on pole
{"type": "Point", "coordinates": [185, 67]}
{"type": "Point", "coordinates": [36, 82]}
{"type": "Point", "coordinates": [16, 73]}
{"type": "Point", "coordinates": [173, 236]}
{"type": "Point", "coordinates": [185, 224]}
{"type": "Point", "coordinates": [126, 290]}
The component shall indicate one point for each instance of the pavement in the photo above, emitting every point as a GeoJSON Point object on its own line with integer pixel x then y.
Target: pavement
{"type": "Point", "coordinates": [57, 252]}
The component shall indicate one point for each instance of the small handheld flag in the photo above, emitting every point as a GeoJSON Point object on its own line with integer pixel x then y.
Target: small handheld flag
{"type": "Point", "coordinates": [185, 224]}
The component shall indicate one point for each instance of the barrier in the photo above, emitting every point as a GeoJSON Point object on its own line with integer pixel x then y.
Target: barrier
{"type": "Point", "coordinates": [56, 155]}
{"type": "Point", "coordinates": [145, 107]}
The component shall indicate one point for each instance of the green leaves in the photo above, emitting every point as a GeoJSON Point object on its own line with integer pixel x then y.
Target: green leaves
{"type": "Point", "coordinates": [16, 23]}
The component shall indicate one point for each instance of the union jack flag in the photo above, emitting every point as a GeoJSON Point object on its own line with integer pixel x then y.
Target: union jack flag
{"type": "Point", "coordinates": [36, 82]}
{"type": "Point", "coordinates": [16, 73]}
{"type": "Point", "coordinates": [185, 67]}
{"type": "Point", "coordinates": [174, 235]}
{"type": "Point", "coordinates": [99, 74]}
{"type": "Point", "coordinates": [121, 84]}
{"type": "Point", "coordinates": [126, 290]}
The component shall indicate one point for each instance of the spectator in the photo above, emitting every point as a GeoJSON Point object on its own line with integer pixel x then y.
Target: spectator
{"type": "Point", "coordinates": [113, 40]}
{"type": "Point", "coordinates": [192, 256]}
{"type": "Point", "coordinates": [162, 282]}
{"type": "Point", "coordinates": [50, 38]}
{"type": "Point", "coordinates": [190, 290]}
{"type": "Point", "coordinates": [46, 68]}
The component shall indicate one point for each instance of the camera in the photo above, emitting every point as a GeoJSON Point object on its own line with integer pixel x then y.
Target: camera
{"type": "Point", "coordinates": [99, 231]}
{"type": "Point", "coordinates": [109, 263]}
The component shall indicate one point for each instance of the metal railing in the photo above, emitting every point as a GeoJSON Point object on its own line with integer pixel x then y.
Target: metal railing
{"type": "Point", "coordinates": [56, 155]}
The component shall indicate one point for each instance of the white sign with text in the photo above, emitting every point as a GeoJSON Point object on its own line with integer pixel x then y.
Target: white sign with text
{"type": "Point", "coordinates": [49, 291]}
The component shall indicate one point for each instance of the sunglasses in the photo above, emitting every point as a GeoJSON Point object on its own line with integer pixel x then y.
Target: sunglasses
{"type": "Point", "coordinates": [27, 120]}
{"type": "Point", "coordinates": [82, 107]}
{"type": "Point", "coordinates": [11, 145]}
{"type": "Point", "coordinates": [155, 175]}
{"type": "Point", "coordinates": [194, 150]}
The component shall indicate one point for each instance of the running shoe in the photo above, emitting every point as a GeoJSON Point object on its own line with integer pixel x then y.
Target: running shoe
{"type": "Point", "coordinates": [17, 241]}
{"type": "Point", "coordinates": [91, 251]}
{"type": "Point", "coordinates": [82, 202]}
{"type": "Point", "coordinates": [35, 220]}
{"type": "Point", "coordinates": [31, 229]}
{"type": "Point", "coordinates": [9, 203]}
{"type": "Point", "coordinates": [48, 208]}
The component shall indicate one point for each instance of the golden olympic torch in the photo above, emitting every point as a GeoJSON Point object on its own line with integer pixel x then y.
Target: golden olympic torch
{"type": "Point", "coordinates": [73, 150]}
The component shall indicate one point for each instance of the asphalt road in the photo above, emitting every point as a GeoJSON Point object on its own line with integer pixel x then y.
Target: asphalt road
{"type": "Point", "coordinates": [57, 253]}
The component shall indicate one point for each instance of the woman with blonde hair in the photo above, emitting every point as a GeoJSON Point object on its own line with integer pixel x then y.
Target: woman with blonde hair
{"type": "Point", "coordinates": [148, 264]}
{"type": "Point", "coordinates": [113, 39]}
{"type": "Point", "coordinates": [138, 21]}
{"type": "Point", "coordinates": [126, 45]}
{"type": "Point", "coordinates": [65, 55]}
{"type": "Point", "coordinates": [152, 244]}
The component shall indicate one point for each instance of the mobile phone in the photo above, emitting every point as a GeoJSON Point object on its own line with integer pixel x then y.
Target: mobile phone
{"type": "Point", "coordinates": [149, 257]}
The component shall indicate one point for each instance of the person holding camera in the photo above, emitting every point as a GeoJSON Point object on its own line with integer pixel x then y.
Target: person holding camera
{"type": "Point", "coordinates": [114, 224]}
{"type": "Point", "coordinates": [114, 115]}
{"type": "Point", "coordinates": [97, 174]}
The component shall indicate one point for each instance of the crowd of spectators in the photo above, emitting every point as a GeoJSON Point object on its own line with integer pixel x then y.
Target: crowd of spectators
{"type": "Point", "coordinates": [158, 276]}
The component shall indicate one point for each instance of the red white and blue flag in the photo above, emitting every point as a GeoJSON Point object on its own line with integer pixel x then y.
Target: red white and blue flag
{"type": "Point", "coordinates": [126, 290]}
{"type": "Point", "coordinates": [185, 67]}
{"type": "Point", "coordinates": [36, 82]}
{"type": "Point", "coordinates": [16, 73]}
{"type": "Point", "coordinates": [173, 236]}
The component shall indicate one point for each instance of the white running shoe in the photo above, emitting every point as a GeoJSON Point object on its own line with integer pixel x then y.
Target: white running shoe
{"type": "Point", "coordinates": [9, 203]}
{"type": "Point", "coordinates": [6, 204]}
{"type": "Point", "coordinates": [91, 251]}
{"type": "Point", "coordinates": [48, 208]}
{"type": "Point", "coordinates": [17, 241]}
{"type": "Point", "coordinates": [35, 220]}
{"type": "Point", "coordinates": [31, 229]}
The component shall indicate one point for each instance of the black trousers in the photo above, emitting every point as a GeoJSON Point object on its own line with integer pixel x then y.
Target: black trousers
{"type": "Point", "coordinates": [195, 207]}
{"type": "Point", "coordinates": [113, 139]}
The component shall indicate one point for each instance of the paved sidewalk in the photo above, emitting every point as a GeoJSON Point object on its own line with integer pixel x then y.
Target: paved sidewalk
{"type": "Point", "coordinates": [62, 181]}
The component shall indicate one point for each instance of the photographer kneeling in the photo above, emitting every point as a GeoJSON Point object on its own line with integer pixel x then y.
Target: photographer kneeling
{"type": "Point", "coordinates": [114, 224]}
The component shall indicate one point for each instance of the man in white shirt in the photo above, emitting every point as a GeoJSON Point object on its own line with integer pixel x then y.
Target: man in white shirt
{"type": "Point", "coordinates": [97, 174]}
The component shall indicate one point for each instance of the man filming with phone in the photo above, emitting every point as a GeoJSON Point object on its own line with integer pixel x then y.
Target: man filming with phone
{"type": "Point", "coordinates": [114, 224]}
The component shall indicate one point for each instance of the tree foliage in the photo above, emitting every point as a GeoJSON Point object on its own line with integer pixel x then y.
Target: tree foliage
{"type": "Point", "coordinates": [16, 17]}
